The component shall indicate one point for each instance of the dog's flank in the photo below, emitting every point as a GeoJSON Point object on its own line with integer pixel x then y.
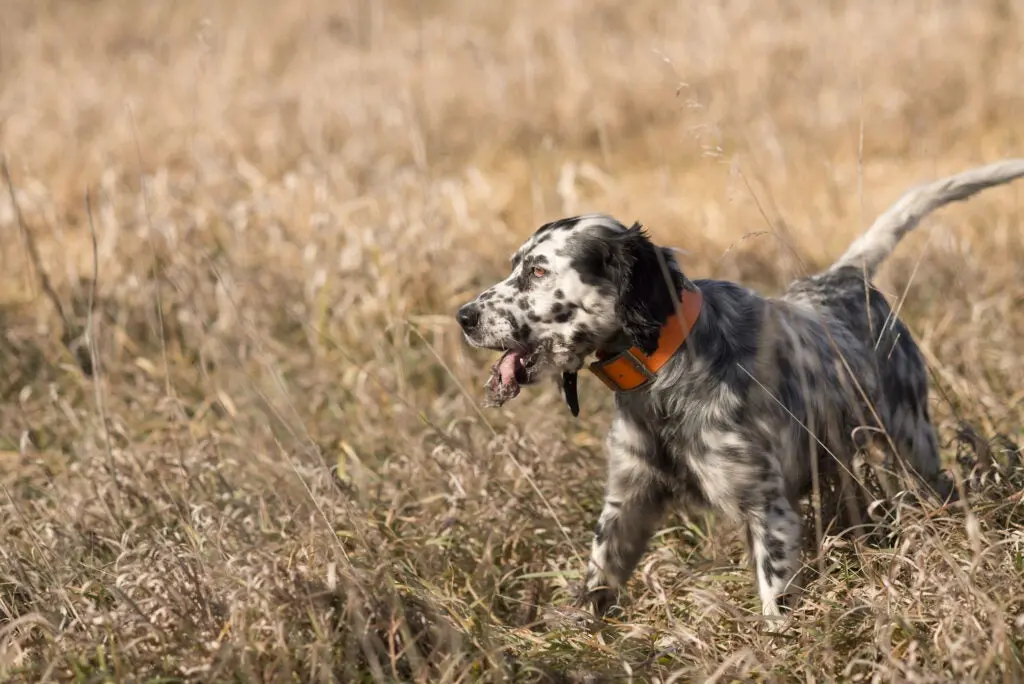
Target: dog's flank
{"type": "Point", "coordinates": [764, 391]}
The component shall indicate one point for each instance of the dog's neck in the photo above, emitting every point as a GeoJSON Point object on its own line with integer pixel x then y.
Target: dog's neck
{"type": "Point", "coordinates": [629, 368]}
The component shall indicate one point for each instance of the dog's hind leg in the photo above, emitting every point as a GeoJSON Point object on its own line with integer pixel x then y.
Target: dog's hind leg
{"type": "Point", "coordinates": [774, 535]}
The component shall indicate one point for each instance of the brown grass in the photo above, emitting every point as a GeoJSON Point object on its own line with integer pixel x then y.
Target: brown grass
{"type": "Point", "coordinates": [279, 470]}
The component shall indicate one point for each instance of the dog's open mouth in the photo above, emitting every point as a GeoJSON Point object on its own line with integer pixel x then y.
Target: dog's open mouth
{"type": "Point", "coordinates": [514, 369]}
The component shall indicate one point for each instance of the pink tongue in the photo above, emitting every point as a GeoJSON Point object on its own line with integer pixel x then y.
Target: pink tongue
{"type": "Point", "coordinates": [507, 367]}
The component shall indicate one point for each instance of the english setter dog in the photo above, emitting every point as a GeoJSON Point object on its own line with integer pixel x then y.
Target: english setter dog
{"type": "Point", "coordinates": [723, 398]}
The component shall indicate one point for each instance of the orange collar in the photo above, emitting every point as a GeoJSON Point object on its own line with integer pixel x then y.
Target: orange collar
{"type": "Point", "coordinates": [632, 369]}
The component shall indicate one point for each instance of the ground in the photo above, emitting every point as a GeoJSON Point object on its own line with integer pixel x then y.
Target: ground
{"type": "Point", "coordinates": [272, 464]}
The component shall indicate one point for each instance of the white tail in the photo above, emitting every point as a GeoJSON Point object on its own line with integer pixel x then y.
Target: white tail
{"type": "Point", "coordinates": [878, 242]}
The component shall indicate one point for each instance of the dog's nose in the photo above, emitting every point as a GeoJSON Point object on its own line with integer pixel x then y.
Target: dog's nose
{"type": "Point", "coordinates": [468, 316]}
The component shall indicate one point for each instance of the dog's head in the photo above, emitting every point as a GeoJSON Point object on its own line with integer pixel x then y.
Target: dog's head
{"type": "Point", "coordinates": [577, 285]}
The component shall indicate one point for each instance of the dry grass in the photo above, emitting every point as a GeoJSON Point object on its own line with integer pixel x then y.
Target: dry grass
{"type": "Point", "coordinates": [279, 470]}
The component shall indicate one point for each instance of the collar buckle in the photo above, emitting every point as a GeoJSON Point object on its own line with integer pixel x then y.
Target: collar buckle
{"type": "Point", "coordinates": [598, 368]}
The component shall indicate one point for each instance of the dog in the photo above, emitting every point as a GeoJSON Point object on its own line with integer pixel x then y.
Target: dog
{"type": "Point", "coordinates": [724, 398]}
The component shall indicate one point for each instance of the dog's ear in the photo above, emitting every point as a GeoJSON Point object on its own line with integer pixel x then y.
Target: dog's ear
{"type": "Point", "coordinates": [648, 289]}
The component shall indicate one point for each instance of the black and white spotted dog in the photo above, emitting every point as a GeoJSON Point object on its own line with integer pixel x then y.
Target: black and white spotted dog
{"type": "Point", "coordinates": [724, 398]}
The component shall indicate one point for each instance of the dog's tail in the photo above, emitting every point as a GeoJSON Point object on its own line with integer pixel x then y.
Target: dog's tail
{"type": "Point", "coordinates": [874, 246]}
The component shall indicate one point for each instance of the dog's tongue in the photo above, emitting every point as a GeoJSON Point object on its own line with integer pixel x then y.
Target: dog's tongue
{"type": "Point", "coordinates": [503, 383]}
{"type": "Point", "coordinates": [507, 368]}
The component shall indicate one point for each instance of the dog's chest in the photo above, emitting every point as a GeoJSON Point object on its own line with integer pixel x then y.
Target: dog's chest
{"type": "Point", "coordinates": [709, 456]}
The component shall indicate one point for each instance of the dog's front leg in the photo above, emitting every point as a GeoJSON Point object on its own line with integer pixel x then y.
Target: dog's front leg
{"type": "Point", "coordinates": [636, 497]}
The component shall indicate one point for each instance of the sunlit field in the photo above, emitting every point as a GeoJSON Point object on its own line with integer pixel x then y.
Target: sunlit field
{"type": "Point", "coordinates": [242, 440]}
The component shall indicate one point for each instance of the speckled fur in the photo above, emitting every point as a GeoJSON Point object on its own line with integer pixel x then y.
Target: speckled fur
{"type": "Point", "coordinates": [764, 391]}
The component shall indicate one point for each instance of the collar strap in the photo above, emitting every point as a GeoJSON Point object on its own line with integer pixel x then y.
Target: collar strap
{"type": "Point", "coordinates": [632, 369]}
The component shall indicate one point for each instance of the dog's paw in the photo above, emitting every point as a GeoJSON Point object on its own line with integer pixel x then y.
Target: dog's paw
{"type": "Point", "coordinates": [570, 618]}
{"type": "Point", "coordinates": [775, 624]}
{"type": "Point", "coordinates": [599, 601]}
{"type": "Point", "coordinates": [776, 618]}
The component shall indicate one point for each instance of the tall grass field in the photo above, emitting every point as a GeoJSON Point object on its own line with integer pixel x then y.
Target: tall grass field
{"type": "Point", "coordinates": [241, 439]}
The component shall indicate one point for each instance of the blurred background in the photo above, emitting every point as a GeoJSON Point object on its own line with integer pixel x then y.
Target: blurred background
{"type": "Point", "coordinates": [277, 427]}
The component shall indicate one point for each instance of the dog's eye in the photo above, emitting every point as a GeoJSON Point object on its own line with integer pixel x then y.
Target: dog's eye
{"type": "Point", "coordinates": [539, 272]}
